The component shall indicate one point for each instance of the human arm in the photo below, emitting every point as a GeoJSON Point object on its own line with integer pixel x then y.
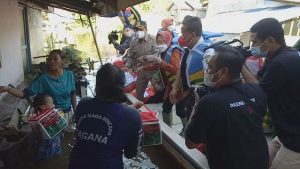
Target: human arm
{"type": "Point", "coordinates": [248, 76]}
{"type": "Point", "coordinates": [134, 133]}
{"type": "Point", "coordinates": [122, 47]}
{"type": "Point", "coordinates": [74, 101]}
{"type": "Point", "coordinates": [131, 58]}
{"type": "Point", "coordinates": [153, 55]}
{"type": "Point", "coordinates": [34, 88]}
{"type": "Point", "coordinates": [174, 65]}
{"type": "Point", "coordinates": [137, 105]}
{"type": "Point", "coordinates": [199, 123]}
{"type": "Point", "coordinates": [274, 78]}
{"type": "Point", "coordinates": [13, 91]}
{"type": "Point", "coordinates": [73, 92]}
{"type": "Point", "coordinates": [175, 88]}
{"type": "Point", "coordinates": [152, 66]}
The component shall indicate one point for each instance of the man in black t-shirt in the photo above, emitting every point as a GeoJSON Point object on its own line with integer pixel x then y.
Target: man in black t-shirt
{"type": "Point", "coordinates": [280, 79]}
{"type": "Point", "coordinates": [229, 120]}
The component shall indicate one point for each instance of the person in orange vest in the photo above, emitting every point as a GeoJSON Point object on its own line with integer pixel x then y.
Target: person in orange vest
{"type": "Point", "coordinates": [169, 64]}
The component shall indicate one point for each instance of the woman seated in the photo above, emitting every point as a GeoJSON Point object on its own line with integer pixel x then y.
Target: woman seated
{"type": "Point", "coordinates": [106, 128]}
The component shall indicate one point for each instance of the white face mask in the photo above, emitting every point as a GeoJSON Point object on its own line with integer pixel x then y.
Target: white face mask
{"type": "Point", "coordinates": [162, 48]}
{"type": "Point", "coordinates": [140, 34]}
{"type": "Point", "coordinates": [208, 79]}
{"type": "Point", "coordinates": [171, 28]}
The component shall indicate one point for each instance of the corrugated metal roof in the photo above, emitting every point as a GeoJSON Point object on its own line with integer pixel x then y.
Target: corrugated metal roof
{"type": "Point", "coordinates": [241, 21]}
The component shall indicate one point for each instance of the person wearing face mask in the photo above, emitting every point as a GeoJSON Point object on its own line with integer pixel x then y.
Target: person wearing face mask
{"type": "Point", "coordinates": [168, 25]}
{"type": "Point", "coordinates": [280, 79]}
{"type": "Point", "coordinates": [191, 69]}
{"type": "Point", "coordinates": [229, 120]}
{"type": "Point", "coordinates": [128, 34]}
{"type": "Point", "coordinates": [142, 46]}
{"type": "Point", "coordinates": [169, 64]}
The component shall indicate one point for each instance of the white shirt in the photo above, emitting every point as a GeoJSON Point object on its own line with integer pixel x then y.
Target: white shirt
{"type": "Point", "coordinates": [207, 54]}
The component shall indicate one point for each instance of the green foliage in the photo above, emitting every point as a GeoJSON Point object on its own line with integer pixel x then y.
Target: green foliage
{"type": "Point", "coordinates": [73, 60]}
{"type": "Point", "coordinates": [204, 2]}
{"type": "Point", "coordinates": [147, 6]}
{"type": "Point", "coordinates": [83, 20]}
{"type": "Point", "coordinates": [71, 52]}
{"type": "Point", "coordinates": [50, 42]}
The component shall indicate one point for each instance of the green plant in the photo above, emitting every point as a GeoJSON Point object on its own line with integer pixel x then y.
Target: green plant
{"type": "Point", "coordinates": [147, 6]}
{"type": "Point", "coordinates": [71, 53]}
{"type": "Point", "coordinates": [74, 60]}
{"type": "Point", "coordinates": [50, 42]}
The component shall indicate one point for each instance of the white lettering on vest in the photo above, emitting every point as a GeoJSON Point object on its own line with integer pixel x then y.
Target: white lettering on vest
{"type": "Point", "coordinates": [237, 104]}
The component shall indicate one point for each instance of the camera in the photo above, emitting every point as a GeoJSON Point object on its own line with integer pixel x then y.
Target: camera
{"type": "Point", "coordinates": [201, 90]}
{"type": "Point", "coordinates": [113, 36]}
{"type": "Point", "coordinates": [245, 51]}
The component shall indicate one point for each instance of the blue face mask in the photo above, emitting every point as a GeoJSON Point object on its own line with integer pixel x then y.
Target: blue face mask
{"type": "Point", "coordinates": [255, 51]}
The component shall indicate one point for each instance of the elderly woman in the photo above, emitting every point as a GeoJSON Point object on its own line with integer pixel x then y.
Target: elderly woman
{"type": "Point", "coordinates": [106, 128]}
{"type": "Point", "coordinates": [57, 82]}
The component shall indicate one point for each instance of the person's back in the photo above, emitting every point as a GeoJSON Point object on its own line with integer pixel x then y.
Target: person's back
{"type": "Point", "coordinates": [105, 127]}
{"type": "Point", "coordinates": [284, 97]}
{"type": "Point", "coordinates": [235, 139]}
{"type": "Point", "coordinates": [103, 132]}
{"type": "Point", "coordinates": [229, 120]}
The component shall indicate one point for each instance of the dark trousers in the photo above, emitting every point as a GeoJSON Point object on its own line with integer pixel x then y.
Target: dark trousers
{"type": "Point", "coordinates": [180, 107]}
{"type": "Point", "coordinates": [189, 104]}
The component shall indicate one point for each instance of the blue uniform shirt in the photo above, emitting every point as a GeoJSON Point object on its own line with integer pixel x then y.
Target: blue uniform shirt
{"type": "Point", "coordinates": [60, 89]}
{"type": "Point", "coordinates": [104, 131]}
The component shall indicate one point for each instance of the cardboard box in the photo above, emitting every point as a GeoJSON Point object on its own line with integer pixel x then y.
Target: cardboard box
{"type": "Point", "coordinates": [151, 128]}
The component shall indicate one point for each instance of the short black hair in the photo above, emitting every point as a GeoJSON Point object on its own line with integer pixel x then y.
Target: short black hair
{"type": "Point", "coordinates": [269, 27]}
{"type": "Point", "coordinates": [193, 24]}
{"type": "Point", "coordinates": [39, 99]}
{"type": "Point", "coordinates": [144, 23]}
{"type": "Point", "coordinates": [58, 52]}
{"type": "Point", "coordinates": [231, 58]}
{"type": "Point", "coordinates": [110, 81]}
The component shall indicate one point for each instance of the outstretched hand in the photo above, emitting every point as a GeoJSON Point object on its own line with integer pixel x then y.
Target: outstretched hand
{"type": "Point", "coordinates": [137, 105]}
{"type": "Point", "coordinates": [3, 89]}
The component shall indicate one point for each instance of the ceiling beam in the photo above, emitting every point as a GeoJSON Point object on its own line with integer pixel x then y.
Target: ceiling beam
{"type": "Point", "coordinates": [79, 6]}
